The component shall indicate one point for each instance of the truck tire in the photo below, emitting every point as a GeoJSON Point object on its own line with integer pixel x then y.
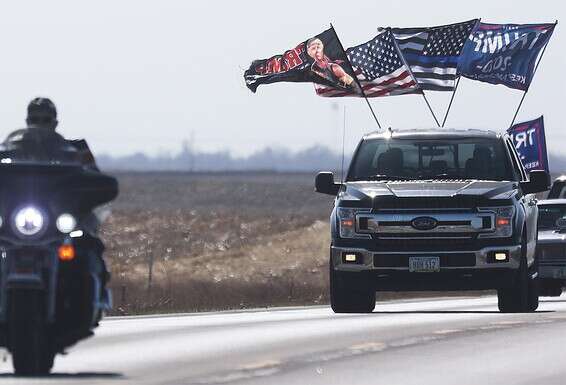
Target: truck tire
{"type": "Point", "coordinates": [522, 296]}
{"type": "Point", "coordinates": [534, 292]}
{"type": "Point", "coordinates": [32, 354]}
{"type": "Point", "coordinates": [349, 296]}
{"type": "Point", "coordinates": [550, 289]}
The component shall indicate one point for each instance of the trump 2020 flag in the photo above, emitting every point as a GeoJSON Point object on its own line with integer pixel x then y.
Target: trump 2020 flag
{"type": "Point", "coordinates": [504, 53]}
{"type": "Point", "coordinates": [320, 59]}
{"type": "Point", "coordinates": [530, 143]}
{"type": "Point", "coordinates": [379, 68]}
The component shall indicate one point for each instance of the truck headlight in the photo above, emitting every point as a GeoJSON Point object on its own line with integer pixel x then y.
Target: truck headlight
{"type": "Point", "coordinates": [66, 223]}
{"type": "Point", "coordinates": [503, 226]}
{"type": "Point", "coordinates": [29, 221]}
{"type": "Point", "coordinates": [347, 222]}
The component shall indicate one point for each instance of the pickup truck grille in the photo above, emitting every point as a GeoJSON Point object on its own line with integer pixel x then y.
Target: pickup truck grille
{"type": "Point", "coordinates": [552, 255]}
{"type": "Point", "coordinates": [447, 224]}
{"type": "Point", "coordinates": [426, 244]}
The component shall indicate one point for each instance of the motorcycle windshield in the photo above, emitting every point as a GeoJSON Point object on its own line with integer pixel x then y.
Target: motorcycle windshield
{"type": "Point", "coordinates": [38, 146]}
{"type": "Point", "coordinates": [41, 166]}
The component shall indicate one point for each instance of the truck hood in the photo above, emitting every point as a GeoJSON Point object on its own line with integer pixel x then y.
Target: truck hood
{"type": "Point", "coordinates": [429, 190]}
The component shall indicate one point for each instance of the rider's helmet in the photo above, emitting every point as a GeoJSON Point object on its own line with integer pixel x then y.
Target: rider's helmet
{"type": "Point", "coordinates": [42, 113]}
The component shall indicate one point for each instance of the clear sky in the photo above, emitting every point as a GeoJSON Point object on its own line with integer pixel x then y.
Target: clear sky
{"type": "Point", "coordinates": [138, 75]}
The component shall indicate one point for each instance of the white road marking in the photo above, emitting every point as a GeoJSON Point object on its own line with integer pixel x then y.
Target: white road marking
{"type": "Point", "coordinates": [447, 331]}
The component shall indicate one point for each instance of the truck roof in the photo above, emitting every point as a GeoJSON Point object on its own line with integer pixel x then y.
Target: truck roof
{"type": "Point", "coordinates": [436, 132]}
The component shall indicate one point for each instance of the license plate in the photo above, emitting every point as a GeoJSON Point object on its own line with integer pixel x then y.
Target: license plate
{"type": "Point", "coordinates": [424, 264]}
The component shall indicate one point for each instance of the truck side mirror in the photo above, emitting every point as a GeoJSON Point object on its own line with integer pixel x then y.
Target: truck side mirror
{"type": "Point", "coordinates": [539, 181]}
{"type": "Point", "coordinates": [324, 183]}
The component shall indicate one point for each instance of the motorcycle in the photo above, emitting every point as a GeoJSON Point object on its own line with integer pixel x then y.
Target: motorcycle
{"type": "Point", "coordinates": [52, 276]}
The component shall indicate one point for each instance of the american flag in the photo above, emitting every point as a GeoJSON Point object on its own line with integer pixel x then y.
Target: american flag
{"type": "Point", "coordinates": [379, 68]}
{"type": "Point", "coordinates": [433, 52]}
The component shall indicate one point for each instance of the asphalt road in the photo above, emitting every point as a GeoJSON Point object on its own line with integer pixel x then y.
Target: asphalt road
{"type": "Point", "coordinates": [440, 341]}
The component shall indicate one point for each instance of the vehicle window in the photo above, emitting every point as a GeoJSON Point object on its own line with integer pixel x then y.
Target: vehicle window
{"type": "Point", "coordinates": [549, 214]}
{"type": "Point", "coordinates": [478, 158]}
{"type": "Point", "coordinates": [558, 190]}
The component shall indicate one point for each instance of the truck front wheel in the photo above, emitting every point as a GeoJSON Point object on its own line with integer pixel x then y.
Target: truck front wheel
{"type": "Point", "coordinates": [550, 289]}
{"type": "Point", "coordinates": [348, 295]}
{"type": "Point", "coordinates": [522, 296]}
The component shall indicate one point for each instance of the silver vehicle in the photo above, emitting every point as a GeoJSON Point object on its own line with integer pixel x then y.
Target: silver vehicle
{"type": "Point", "coordinates": [551, 248]}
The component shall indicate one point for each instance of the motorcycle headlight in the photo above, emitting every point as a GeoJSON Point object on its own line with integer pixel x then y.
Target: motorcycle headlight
{"type": "Point", "coordinates": [347, 222]}
{"type": "Point", "coordinates": [66, 223]}
{"type": "Point", "coordinates": [503, 222]}
{"type": "Point", "coordinates": [29, 221]}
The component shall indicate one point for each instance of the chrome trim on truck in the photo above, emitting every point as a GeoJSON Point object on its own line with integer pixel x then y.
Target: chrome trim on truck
{"type": "Point", "coordinates": [446, 222]}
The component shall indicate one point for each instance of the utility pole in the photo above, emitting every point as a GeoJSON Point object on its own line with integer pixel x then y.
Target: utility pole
{"type": "Point", "coordinates": [192, 152]}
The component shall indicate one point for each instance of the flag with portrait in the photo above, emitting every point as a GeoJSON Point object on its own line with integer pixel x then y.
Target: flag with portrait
{"type": "Point", "coordinates": [320, 59]}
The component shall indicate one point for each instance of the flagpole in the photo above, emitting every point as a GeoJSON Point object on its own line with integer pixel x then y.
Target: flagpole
{"type": "Point", "coordinates": [451, 100]}
{"type": "Point", "coordinates": [518, 108]}
{"type": "Point", "coordinates": [430, 108]}
{"type": "Point", "coordinates": [478, 22]}
{"type": "Point", "coordinates": [343, 140]}
{"type": "Point", "coordinates": [534, 73]}
{"type": "Point", "coordinates": [371, 109]}
{"type": "Point", "coordinates": [355, 77]}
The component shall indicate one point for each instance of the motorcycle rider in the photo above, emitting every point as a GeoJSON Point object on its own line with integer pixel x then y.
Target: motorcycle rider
{"type": "Point", "coordinates": [41, 124]}
{"type": "Point", "coordinates": [39, 140]}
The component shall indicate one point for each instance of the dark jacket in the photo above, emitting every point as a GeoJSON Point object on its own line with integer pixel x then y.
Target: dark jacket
{"type": "Point", "coordinates": [42, 144]}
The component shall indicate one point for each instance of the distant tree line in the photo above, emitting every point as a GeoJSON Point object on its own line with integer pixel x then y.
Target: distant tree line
{"type": "Point", "coordinates": [313, 158]}
{"type": "Point", "coordinates": [310, 159]}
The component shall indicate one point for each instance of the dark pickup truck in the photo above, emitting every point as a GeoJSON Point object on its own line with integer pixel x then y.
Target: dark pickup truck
{"type": "Point", "coordinates": [434, 210]}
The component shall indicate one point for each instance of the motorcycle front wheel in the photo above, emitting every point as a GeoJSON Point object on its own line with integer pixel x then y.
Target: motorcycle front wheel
{"type": "Point", "coordinates": [32, 352]}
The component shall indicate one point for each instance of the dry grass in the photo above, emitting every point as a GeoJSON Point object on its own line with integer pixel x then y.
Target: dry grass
{"type": "Point", "coordinates": [289, 268]}
{"type": "Point", "coordinates": [217, 242]}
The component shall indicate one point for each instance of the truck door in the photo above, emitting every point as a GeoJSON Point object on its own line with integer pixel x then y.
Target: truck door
{"type": "Point", "coordinates": [528, 201]}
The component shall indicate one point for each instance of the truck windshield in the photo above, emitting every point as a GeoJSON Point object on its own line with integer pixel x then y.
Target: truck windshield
{"type": "Point", "coordinates": [402, 159]}
{"type": "Point", "coordinates": [549, 214]}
